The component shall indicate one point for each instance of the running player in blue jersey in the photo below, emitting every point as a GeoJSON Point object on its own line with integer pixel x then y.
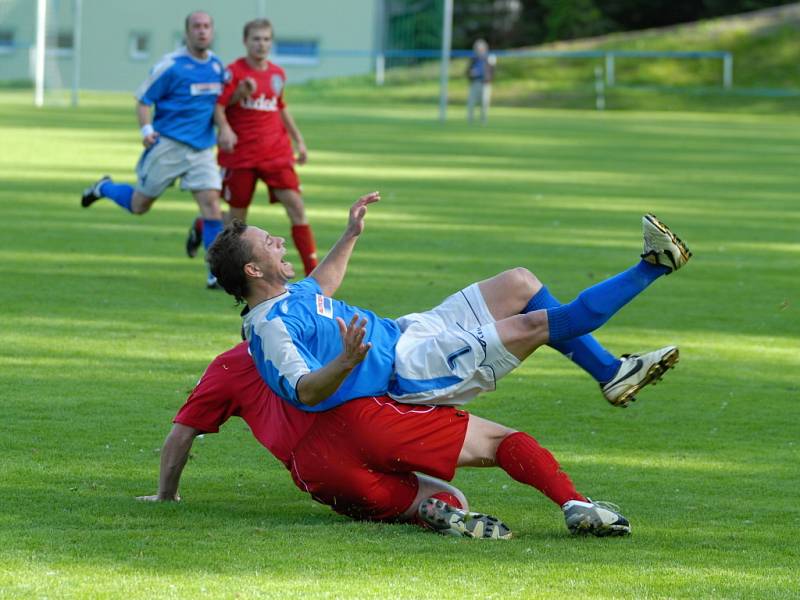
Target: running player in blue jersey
{"type": "Point", "coordinates": [179, 140]}
{"type": "Point", "coordinates": [317, 352]}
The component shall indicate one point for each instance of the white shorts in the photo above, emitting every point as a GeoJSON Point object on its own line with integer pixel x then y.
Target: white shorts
{"type": "Point", "coordinates": [450, 354]}
{"type": "Point", "coordinates": [161, 164]}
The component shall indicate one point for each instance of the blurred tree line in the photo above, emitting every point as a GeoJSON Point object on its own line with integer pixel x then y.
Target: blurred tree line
{"type": "Point", "coordinates": [515, 23]}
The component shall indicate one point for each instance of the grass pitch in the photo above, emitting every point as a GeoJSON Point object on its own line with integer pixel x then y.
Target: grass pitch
{"type": "Point", "coordinates": [106, 326]}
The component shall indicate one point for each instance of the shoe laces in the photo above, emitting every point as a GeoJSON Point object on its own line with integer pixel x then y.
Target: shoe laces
{"type": "Point", "coordinates": [605, 504]}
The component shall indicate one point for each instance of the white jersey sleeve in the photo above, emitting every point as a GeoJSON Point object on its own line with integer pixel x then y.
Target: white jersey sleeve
{"type": "Point", "coordinates": [280, 357]}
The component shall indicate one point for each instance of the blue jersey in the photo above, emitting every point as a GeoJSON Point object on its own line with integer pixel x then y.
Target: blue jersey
{"type": "Point", "coordinates": [184, 90]}
{"type": "Point", "coordinates": [296, 333]}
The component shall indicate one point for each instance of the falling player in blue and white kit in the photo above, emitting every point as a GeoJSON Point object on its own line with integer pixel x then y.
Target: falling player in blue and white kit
{"type": "Point", "coordinates": [317, 352]}
{"type": "Point", "coordinates": [179, 140]}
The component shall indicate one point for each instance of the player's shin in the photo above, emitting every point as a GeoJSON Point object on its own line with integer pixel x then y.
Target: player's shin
{"type": "Point", "coordinates": [597, 304]}
{"type": "Point", "coordinates": [521, 456]}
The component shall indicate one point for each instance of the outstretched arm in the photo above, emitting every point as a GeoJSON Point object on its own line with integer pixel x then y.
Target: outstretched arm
{"type": "Point", "coordinates": [174, 454]}
{"type": "Point", "coordinates": [330, 272]}
{"type": "Point", "coordinates": [318, 385]}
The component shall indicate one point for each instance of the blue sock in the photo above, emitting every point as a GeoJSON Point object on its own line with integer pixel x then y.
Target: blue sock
{"type": "Point", "coordinates": [585, 351]}
{"type": "Point", "coordinates": [211, 229]}
{"type": "Point", "coordinates": [595, 305]}
{"type": "Point", "coordinates": [121, 193]}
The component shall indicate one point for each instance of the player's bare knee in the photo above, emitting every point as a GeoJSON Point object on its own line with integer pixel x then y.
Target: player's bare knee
{"type": "Point", "coordinates": [528, 281]}
{"type": "Point", "coordinates": [141, 204]}
{"type": "Point", "coordinates": [523, 284]}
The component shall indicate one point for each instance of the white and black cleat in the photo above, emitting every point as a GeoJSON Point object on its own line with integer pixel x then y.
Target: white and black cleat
{"type": "Point", "coordinates": [601, 519]}
{"type": "Point", "coordinates": [661, 246]}
{"type": "Point", "coordinates": [92, 194]}
{"type": "Point", "coordinates": [446, 519]}
{"type": "Point", "coordinates": [637, 371]}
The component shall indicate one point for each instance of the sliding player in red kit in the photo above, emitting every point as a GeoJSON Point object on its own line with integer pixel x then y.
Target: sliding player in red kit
{"type": "Point", "coordinates": [256, 132]}
{"type": "Point", "coordinates": [374, 458]}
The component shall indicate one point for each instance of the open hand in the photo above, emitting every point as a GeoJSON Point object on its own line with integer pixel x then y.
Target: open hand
{"type": "Point", "coordinates": [358, 211]}
{"type": "Point", "coordinates": [355, 350]}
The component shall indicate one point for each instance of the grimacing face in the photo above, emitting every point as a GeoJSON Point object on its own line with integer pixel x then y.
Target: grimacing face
{"type": "Point", "coordinates": [269, 255]}
{"type": "Point", "coordinates": [199, 32]}
{"type": "Point", "coordinates": [258, 43]}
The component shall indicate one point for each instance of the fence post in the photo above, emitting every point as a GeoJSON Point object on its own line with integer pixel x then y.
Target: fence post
{"type": "Point", "coordinates": [609, 69]}
{"type": "Point", "coordinates": [727, 70]}
{"type": "Point", "coordinates": [380, 68]}
{"type": "Point", "coordinates": [600, 89]}
{"type": "Point", "coordinates": [447, 45]}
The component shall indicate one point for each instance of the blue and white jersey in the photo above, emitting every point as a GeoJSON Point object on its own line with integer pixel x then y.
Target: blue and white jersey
{"type": "Point", "coordinates": [184, 90]}
{"type": "Point", "coordinates": [296, 333]}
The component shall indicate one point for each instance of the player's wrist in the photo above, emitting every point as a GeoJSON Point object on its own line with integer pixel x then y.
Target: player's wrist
{"type": "Point", "coordinates": [147, 130]}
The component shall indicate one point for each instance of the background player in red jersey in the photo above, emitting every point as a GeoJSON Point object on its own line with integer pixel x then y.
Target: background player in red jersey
{"type": "Point", "coordinates": [256, 132]}
{"type": "Point", "coordinates": [364, 458]}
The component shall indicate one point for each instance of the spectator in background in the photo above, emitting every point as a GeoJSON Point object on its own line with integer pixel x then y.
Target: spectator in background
{"type": "Point", "coordinates": [480, 74]}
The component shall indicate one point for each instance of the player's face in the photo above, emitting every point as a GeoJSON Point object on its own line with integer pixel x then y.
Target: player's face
{"type": "Point", "coordinates": [199, 32]}
{"type": "Point", "coordinates": [258, 43]}
{"type": "Point", "coordinates": [269, 255]}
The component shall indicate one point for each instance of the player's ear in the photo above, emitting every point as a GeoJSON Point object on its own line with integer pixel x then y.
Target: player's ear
{"type": "Point", "coordinates": [252, 270]}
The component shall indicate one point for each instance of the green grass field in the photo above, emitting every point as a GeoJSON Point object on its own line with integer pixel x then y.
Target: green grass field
{"type": "Point", "coordinates": [106, 325]}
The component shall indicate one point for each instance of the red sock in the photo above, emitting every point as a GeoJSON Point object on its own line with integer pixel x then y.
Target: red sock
{"type": "Point", "coordinates": [525, 460]}
{"type": "Point", "coordinates": [444, 497]}
{"type": "Point", "coordinates": [303, 239]}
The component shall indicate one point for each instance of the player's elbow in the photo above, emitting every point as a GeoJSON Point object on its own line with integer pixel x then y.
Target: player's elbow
{"type": "Point", "coordinates": [306, 394]}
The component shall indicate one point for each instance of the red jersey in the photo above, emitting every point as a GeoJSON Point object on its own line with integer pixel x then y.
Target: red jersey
{"type": "Point", "coordinates": [262, 136]}
{"type": "Point", "coordinates": [232, 386]}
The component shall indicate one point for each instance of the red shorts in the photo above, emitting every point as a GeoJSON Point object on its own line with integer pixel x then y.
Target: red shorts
{"type": "Point", "coordinates": [238, 185]}
{"type": "Point", "coordinates": [359, 458]}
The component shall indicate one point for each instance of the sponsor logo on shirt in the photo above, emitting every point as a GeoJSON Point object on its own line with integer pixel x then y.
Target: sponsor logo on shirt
{"type": "Point", "coordinates": [324, 306]}
{"type": "Point", "coordinates": [261, 103]}
{"type": "Point", "coordinates": [206, 89]}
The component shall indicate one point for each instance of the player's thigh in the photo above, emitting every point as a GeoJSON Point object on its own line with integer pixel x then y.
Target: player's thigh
{"type": "Point", "coordinates": [292, 201]}
{"type": "Point", "coordinates": [450, 367]}
{"type": "Point", "coordinates": [350, 488]}
{"type": "Point", "coordinates": [281, 179]}
{"type": "Point", "coordinates": [389, 436]}
{"type": "Point", "coordinates": [202, 173]}
{"type": "Point", "coordinates": [238, 187]}
{"type": "Point", "coordinates": [466, 309]}
{"type": "Point", "coordinates": [159, 167]}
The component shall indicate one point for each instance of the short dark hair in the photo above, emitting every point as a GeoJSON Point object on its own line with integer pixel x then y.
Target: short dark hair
{"type": "Point", "coordinates": [256, 24]}
{"type": "Point", "coordinates": [227, 257]}
{"type": "Point", "coordinates": [195, 12]}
